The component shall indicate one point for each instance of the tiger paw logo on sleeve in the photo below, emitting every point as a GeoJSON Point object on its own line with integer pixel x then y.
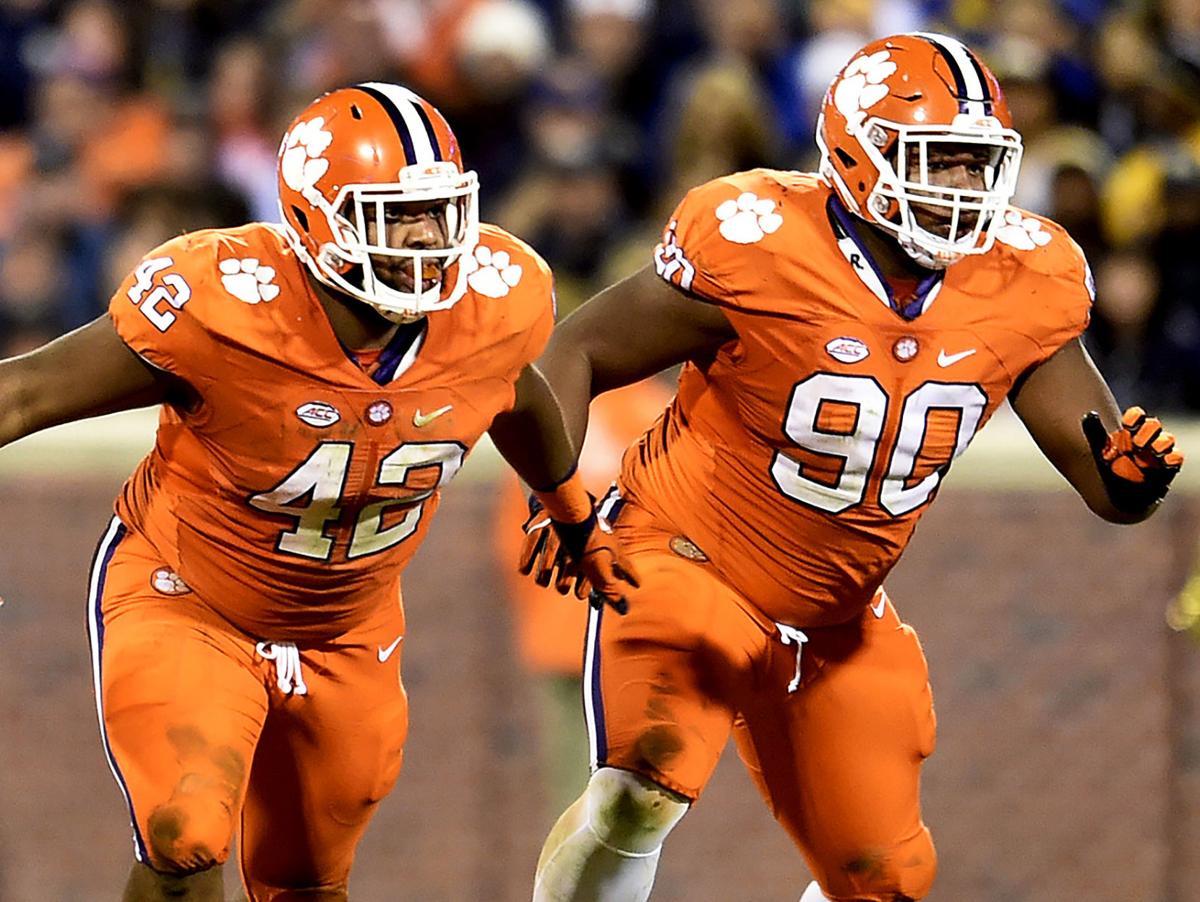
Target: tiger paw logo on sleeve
{"type": "Point", "coordinates": [1022, 232]}
{"type": "Point", "coordinates": [492, 274]}
{"type": "Point", "coordinates": [168, 582]}
{"type": "Point", "coordinates": [748, 219]}
{"type": "Point", "coordinates": [248, 280]}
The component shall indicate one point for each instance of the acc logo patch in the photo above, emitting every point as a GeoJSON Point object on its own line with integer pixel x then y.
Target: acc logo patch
{"type": "Point", "coordinates": [847, 350]}
{"type": "Point", "coordinates": [686, 548]}
{"type": "Point", "coordinates": [168, 582]}
{"type": "Point", "coordinates": [318, 414]}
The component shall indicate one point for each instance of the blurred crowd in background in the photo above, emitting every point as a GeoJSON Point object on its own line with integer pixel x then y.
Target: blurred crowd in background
{"type": "Point", "coordinates": [124, 123]}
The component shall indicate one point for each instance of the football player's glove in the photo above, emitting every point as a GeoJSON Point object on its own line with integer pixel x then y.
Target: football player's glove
{"type": "Point", "coordinates": [542, 554]}
{"type": "Point", "coordinates": [577, 546]}
{"type": "Point", "coordinates": [1137, 461]}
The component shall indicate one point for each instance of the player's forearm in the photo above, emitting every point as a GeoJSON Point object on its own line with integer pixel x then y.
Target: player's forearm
{"type": "Point", "coordinates": [13, 403]}
{"type": "Point", "coordinates": [569, 373]}
{"type": "Point", "coordinates": [541, 436]}
{"type": "Point", "coordinates": [85, 373]}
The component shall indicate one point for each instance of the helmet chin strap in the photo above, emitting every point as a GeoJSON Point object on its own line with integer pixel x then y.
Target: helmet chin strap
{"type": "Point", "coordinates": [927, 258]}
{"type": "Point", "coordinates": [396, 316]}
{"type": "Point", "coordinates": [401, 317]}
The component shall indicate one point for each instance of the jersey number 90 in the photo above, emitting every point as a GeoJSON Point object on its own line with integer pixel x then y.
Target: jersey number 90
{"type": "Point", "coordinates": [858, 447]}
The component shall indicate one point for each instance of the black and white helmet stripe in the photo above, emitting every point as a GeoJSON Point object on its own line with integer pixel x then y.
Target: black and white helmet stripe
{"type": "Point", "coordinates": [974, 97]}
{"type": "Point", "coordinates": [412, 122]}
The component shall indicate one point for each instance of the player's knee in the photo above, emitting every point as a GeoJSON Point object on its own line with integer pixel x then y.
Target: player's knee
{"type": "Point", "coordinates": [629, 812]}
{"type": "Point", "coordinates": [916, 867]}
{"type": "Point", "coordinates": [189, 835]}
{"type": "Point", "coordinates": [905, 874]}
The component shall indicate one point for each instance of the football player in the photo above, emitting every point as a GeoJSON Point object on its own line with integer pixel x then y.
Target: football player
{"type": "Point", "coordinates": [844, 334]}
{"type": "Point", "coordinates": [320, 381]}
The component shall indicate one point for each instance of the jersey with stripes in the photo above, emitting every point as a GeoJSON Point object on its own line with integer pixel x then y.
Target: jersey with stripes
{"type": "Point", "coordinates": [801, 458]}
{"type": "Point", "coordinates": [296, 482]}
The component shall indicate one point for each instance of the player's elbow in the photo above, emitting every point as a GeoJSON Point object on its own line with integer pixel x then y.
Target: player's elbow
{"type": "Point", "coordinates": [1103, 508]}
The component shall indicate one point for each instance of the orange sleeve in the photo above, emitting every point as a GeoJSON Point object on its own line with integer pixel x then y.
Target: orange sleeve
{"type": "Point", "coordinates": [713, 245]}
{"type": "Point", "coordinates": [683, 256]}
{"type": "Point", "coordinates": [1061, 312]}
{"type": "Point", "coordinates": [520, 317]}
{"type": "Point", "coordinates": [157, 309]}
{"type": "Point", "coordinates": [537, 308]}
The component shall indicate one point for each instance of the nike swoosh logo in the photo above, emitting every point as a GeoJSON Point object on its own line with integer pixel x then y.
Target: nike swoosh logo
{"type": "Point", "coordinates": [385, 653]}
{"type": "Point", "coordinates": [945, 359]}
{"type": "Point", "coordinates": [877, 609]}
{"type": "Point", "coordinates": [421, 420]}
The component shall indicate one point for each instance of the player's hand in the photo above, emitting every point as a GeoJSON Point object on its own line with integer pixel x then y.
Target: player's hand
{"type": "Point", "coordinates": [585, 553]}
{"type": "Point", "coordinates": [1137, 461]}
{"type": "Point", "coordinates": [542, 555]}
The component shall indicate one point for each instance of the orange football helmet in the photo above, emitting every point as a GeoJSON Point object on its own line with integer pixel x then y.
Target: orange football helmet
{"type": "Point", "coordinates": [343, 160]}
{"type": "Point", "coordinates": [899, 98]}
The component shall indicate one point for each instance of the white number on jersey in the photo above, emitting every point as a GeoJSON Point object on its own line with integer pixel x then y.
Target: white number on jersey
{"type": "Point", "coordinates": [859, 447]}
{"type": "Point", "coordinates": [172, 288]}
{"type": "Point", "coordinates": [369, 534]}
{"type": "Point", "coordinates": [312, 493]}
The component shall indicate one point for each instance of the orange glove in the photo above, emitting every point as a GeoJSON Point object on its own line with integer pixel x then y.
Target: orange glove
{"type": "Point", "coordinates": [1137, 461]}
{"type": "Point", "coordinates": [567, 541]}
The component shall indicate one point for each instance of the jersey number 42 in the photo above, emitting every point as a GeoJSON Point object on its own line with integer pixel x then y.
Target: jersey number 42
{"type": "Point", "coordinates": [313, 494]}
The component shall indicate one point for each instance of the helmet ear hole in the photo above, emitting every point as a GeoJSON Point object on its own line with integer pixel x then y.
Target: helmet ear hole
{"type": "Point", "coordinates": [301, 217]}
{"type": "Point", "coordinates": [845, 158]}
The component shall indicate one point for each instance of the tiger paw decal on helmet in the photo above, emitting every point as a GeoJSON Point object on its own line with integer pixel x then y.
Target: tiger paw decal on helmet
{"type": "Point", "coordinates": [1022, 232]}
{"type": "Point", "coordinates": [748, 219]}
{"type": "Point", "coordinates": [491, 273]}
{"type": "Point", "coordinates": [301, 165]}
{"type": "Point", "coordinates": [861, 86]}
{"type": "Point", "coordinates": [248, 280]}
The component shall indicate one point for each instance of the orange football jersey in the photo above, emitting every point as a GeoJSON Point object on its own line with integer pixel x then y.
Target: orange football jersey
{"type": "Point", "coordinates": [294, 492]}
{"type": "Point", "coordinates": [802, 457]}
